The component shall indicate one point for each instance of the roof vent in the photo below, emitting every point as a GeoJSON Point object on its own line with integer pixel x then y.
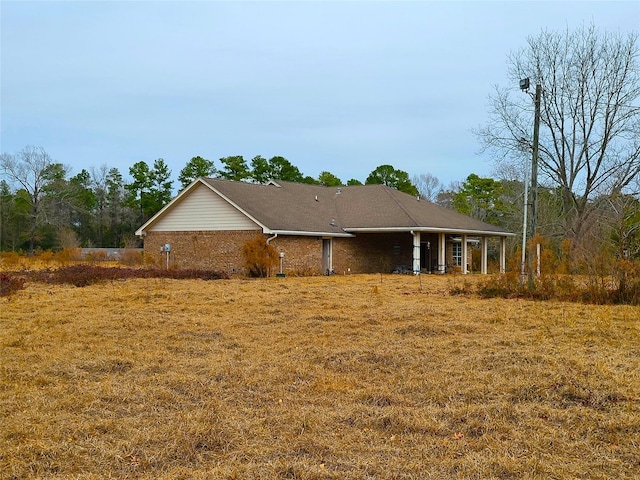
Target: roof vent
{"type": "Point", "coordinates": [339, 191]}
{"type": "Point", "coordinates": [316, 198]}
{"type": "Point", "coordinates": [333, 222]}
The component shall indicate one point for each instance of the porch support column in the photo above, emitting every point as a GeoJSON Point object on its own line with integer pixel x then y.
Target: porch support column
{"type": "Point", "coordinates": [442, 253]}
{"type": "Point", "coordinates": [416, 252]}
{"type": "Point", "coordinates": [465, 253]}
{"type": "Point", "coordinates": [483, 256]}
{"type": "Point", "coordinates": [503, 254]}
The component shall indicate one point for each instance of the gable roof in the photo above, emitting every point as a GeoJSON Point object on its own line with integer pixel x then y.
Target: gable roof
{"type": "Point", "coordinates": [297, 208]}
{"type": "Point", "coordinates": [283, 206]}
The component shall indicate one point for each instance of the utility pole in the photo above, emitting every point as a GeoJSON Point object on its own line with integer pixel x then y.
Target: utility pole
{"type": "Point", "coordinates": [534, 162]}
{"type": "Point", "coordinates": [524, 228]}
{"type": "Point", "coordinates": [533, 203]}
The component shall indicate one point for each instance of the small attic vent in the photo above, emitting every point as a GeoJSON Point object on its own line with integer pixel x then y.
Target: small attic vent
{"type": "Point", "coordinates": [339, 191]}
{"type": "Point", "coordinates": [333, 222]}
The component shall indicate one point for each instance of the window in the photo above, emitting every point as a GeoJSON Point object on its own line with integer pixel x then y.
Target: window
{"type": "Point", "coordinates": [457, 253]}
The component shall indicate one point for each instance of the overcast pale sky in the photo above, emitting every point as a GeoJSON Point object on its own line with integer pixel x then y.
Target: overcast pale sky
{"type": "Point", "coordinates": [333, 85]}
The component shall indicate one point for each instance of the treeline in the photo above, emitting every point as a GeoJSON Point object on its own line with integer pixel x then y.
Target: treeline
{"type": "Point", "coordinates": [608, 233]}
{"type": "Point", "coordinates": [43, 206]}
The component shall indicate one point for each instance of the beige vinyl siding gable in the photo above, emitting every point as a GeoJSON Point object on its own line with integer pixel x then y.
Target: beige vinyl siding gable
{"type": "Point", "coordinates": [203, 210]}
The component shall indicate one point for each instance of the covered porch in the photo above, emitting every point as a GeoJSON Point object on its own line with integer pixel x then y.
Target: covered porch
{"type": "Point", "coordinates": [442, 251]}
{"type": "Point", "coordinates": [423, 250]}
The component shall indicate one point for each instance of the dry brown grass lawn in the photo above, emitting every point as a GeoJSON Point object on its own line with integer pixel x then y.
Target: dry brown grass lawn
{"type": "Point", "coordinates": [314, 378]}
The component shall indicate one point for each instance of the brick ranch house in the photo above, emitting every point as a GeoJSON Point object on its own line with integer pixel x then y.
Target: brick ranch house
{"type": "Point", "coordinates": [316, 229]}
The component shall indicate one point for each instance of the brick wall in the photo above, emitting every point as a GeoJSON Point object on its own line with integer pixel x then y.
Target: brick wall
{"type": "Point", "coordinates": [222, 250]}
{"type": "Point", "coordinates": [372, 252]}
{"type": "Point", "coordinates": [302, 255]}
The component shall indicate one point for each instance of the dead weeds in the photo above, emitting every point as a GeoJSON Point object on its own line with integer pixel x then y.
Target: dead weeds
{"type": "Point", "coordinates": [345, 377]}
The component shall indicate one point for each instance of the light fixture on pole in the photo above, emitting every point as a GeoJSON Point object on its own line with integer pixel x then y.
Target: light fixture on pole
{"type": "Point", "coordinates": [524, 86]}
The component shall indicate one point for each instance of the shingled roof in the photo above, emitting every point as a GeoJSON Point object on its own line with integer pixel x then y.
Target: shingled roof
{"type": "Point", "coordinates": [307, 209]}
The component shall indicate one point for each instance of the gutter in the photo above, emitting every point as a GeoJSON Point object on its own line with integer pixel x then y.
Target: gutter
{"type": "Point", "coordinates": [429, 229]}
{"type": "Point", "coordinates": [307, 234]}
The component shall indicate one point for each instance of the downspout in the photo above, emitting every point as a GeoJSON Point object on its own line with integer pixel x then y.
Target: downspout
{"type": "Point", "coordinates": [275, 235]}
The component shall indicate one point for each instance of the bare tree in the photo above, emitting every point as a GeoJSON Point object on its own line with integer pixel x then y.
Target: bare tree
{"type": "Point", "coordinates": [445, 196]}
{"type": "Point", "coordinates": [428, 186]}
{"type": "Point", "coordinates": [589, 143]}
{"type": "Point", "coordinates": [28, 170]}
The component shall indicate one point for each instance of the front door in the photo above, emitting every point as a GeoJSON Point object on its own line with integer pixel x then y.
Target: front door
{"type": "Point", "coordinates": [428, 252]}
{"type": "Point", "coordinates": [425, 256]}
{"type": "Point", "coordinates": [327, 266]}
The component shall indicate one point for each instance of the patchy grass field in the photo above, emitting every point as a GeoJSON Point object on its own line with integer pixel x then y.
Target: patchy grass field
{"type": "Point", "coordinates": [314, 378]}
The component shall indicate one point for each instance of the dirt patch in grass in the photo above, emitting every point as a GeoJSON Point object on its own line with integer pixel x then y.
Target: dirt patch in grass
{"type": "Point", "coordinates": [345, 377]}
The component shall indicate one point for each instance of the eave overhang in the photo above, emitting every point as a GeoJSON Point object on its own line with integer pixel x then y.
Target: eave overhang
{"type": "Point", "coordinates": [308, 234]}
{"type": "Point", "coordinates": [456, 231]}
